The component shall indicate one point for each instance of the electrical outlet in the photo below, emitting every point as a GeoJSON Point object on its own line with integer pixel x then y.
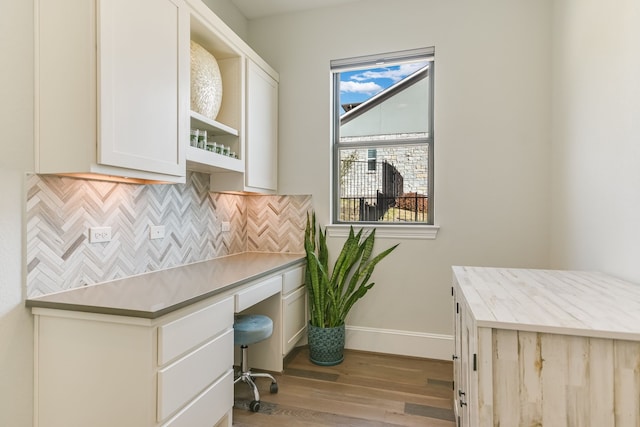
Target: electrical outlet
{"type": "Point", "coordinates": [156, 232]}
{"type": "Point", "coordinates": [225, 226]}
{"type": "Point", "coordinates": [99, 234]}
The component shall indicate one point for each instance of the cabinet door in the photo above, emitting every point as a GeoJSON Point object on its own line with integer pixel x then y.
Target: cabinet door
{"type": "Point", "coordinates": [261, 170]}
{"type": "Point", "coordinates": [468, 394]}
{"type": "Point", "coordinates": [143, 67]}
{"type": "Point", "coordinates": [294, 318]}
{"type": "Point", "coordinates": [457, 375]}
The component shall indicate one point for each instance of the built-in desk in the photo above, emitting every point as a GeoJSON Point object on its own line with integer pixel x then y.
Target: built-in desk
{"type": "Point", "coordinates": [157, 349]}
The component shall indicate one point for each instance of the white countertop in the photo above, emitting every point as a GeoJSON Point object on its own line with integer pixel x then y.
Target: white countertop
{"type": "Point", "coordinates": [563, 302]}
{"type": "Point", "coordinates": [154, 294]}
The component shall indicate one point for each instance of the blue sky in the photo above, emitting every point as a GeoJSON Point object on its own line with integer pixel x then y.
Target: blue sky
{"type": "Point", "coordinates": [360, 85]}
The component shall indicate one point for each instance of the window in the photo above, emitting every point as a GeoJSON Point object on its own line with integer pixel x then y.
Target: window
{"type": "Point", "coordinates": [383, 138]}
{"type": "Point", "coordinates": [372, 156]}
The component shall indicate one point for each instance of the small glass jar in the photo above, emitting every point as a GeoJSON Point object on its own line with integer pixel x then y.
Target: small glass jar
{"type": "Point", "coordinates": [202, 139]}
{"type": "Point", "coordinates": [225, 150]}
{"type": "Point", "coordinates": [210, 146]}
{"type": "Point", "coordinates": [193, 141]}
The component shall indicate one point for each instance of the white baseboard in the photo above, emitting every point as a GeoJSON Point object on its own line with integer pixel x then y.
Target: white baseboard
{"type": "Point", "coordinates": [406, 343]}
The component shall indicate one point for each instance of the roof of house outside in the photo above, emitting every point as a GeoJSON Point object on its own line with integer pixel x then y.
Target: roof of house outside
{"type": "Point", "coordinates": [355, 110]}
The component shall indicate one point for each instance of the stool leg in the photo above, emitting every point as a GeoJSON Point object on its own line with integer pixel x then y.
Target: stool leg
{"type": "Point", "coordinates": [274, 384]}
{"type": "Point", "coordinates": [244, 363]}
{"type": "Point", "coordinates": [254, 388]}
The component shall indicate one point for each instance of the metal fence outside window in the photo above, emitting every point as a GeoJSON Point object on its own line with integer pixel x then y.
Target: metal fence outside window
{"type": "Point", "coordinates": [377, 194]}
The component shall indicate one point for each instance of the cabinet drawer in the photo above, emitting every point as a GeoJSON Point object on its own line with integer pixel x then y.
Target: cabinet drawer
{"type": "Point", "coordinates": [292, 280]}
{"type": "Point", "coordinates": [183, 380]}
{"type": "Point", "coordinates": [294, 318]}
{"type": "Point", "coordinates": [258, 292]}
{"type": "Point", "coordinates": [181, 335]}
{"type": "Point", "coordinates": [209, 407]}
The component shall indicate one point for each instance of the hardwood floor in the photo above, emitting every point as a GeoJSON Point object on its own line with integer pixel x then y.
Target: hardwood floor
{"type": "Point", "coordinates": [367, 389]}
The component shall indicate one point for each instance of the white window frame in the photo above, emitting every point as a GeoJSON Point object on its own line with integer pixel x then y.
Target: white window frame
{"type": "Point", "coordinates": [389, 229]}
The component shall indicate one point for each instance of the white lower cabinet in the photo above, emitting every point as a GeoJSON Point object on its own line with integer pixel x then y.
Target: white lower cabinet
{"type": "Point", "coordinates": [294, 309]}
{"type": "Point", "coordinates": [208, 406]}
{"type": "Point", "coordinates": [103, 371]}
{"type": "Point", "coordinates": [282, 297]}
{"type": "Point", "coordinates": [179, 382]}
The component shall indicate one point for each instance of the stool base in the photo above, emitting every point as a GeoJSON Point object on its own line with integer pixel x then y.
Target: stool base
{"type": "Point", "coordinates": [249, 377]}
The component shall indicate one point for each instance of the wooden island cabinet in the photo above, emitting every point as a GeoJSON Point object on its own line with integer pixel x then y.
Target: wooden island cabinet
{"type": "Point", "coordinates": [545, 348]}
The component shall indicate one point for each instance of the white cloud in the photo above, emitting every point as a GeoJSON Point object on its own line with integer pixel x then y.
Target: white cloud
{"type": "Point", "coordinates": [368, 88]}
{"type": "Point", "coordinates": [395, 74]}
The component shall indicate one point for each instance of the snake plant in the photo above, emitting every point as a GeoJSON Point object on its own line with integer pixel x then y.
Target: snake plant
{"type": "Point", "coordinates": [333, 293]}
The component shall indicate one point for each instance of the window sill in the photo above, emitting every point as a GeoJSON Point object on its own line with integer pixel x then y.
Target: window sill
{"type": "Point", "coordinates": [415, 232]}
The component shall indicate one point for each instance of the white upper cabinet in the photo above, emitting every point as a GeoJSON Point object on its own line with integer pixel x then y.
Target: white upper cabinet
{"type": "Point", "coordinates": [262, 129]}
{"type": "Point", "coordinates": [207, 30]}
{"type": "Point", "coordinates": [112, 94]}
{"type": "Point", "coordinates": [248, 119]}
{"type": "Point", "coordinates": [260, 138]}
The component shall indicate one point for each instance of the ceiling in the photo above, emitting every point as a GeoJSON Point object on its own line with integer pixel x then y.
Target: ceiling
{"type": "Point", "coordinates": [253, 9]}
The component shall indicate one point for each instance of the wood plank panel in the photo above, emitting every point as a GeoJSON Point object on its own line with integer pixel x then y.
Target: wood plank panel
{"type": "Point", "coordinates": [601, 394]}
{"type": "Point", "coordinates": [578, 381]}
{"type": "Point", "coordinates": [530, 378]}
{"type": "Point", "coordinates": [626, 383]}
{"type": "Point", "coordinates": [565, 380]}
{"type": "Point", "coordinates": [506, 376]}
{"type": "Point", "coordinates": [554, 354]}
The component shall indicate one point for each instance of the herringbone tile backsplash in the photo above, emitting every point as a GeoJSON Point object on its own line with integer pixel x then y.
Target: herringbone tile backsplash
{"type": "Point", "coordinates": [60, 211]}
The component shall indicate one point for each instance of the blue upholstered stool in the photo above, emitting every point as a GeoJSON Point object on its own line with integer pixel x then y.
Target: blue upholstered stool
{"type": "Point", "coordinates": [251, 329]}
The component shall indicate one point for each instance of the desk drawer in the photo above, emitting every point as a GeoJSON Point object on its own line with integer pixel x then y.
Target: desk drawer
{"type": "Point", "coordinates": [292, 280]}
{"type": "Point", "coordinates": [209, 407]}
{"type": "Point", "coordinates": [183, 334]}
{"type": "Point", "coordinates": [258, 292]}
{"type": "Point", "coordinates": [183, 380]}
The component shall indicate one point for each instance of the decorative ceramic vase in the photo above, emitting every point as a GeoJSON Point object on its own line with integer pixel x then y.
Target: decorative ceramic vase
{"type": "Point", "coordinates": [206, 82]}
{"type": "Point", "coordinates": [326, 345]}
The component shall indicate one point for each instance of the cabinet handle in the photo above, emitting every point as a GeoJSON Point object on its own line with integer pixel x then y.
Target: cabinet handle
{"type": "Point", "coordinates": [454, 357]}
{"type": "Point", "coordinates": [461, 394]}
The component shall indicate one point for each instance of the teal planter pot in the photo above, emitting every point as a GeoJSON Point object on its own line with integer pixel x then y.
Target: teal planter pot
{"type": "Point", "coordinates": [326, 345]}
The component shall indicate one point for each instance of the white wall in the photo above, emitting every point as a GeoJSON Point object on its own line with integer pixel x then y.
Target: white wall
{"type": "Point", "coordinates": [492, 133]}
{"type": "Point", "coordinates": [596, 136]}
{"type": "Point", "coordinates": [16, 157]}
{"type": "Point", "coordinates": [230, 14]}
